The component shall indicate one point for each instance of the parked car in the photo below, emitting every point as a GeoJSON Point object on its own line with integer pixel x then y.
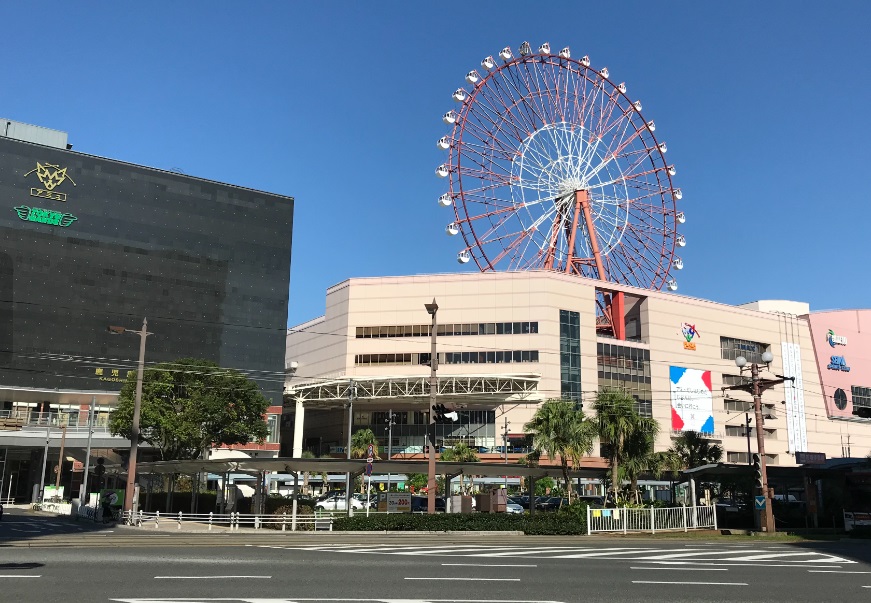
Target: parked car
{"type": "Point", "coordinates": [419, 504]}
{"type": "Point", "coordinates": [372, 501]}
{"type": "Point", "coordinates": [592, 501]}
{"type": "Point", "coordinates": [335, 501]}
{"type": "Point", "coordinates": [513, 508]}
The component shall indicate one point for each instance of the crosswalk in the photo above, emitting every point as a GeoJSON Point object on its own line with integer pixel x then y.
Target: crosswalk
{"type": "Point", "coordinates": [687, 555]}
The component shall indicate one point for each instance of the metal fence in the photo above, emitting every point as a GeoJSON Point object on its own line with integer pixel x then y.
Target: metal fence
{"type": "Point", "coordinates": [209, 521]}
{"type": "Point", "coordinates": [651, 519]}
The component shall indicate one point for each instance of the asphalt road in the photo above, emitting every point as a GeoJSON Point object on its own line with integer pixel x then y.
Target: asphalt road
{"type": "Point", "coordinates": [126, 564]}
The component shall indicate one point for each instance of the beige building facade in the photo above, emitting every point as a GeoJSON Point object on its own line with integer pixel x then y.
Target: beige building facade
{"type": "Point", "coordinates": [507, 341]}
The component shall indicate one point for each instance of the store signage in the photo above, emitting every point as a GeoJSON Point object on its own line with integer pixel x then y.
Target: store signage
{"type": "Point", "coordinates": [50, 176]}
{"type": "Point", "coordinates": [113, 377]}
{"type": "Point", "coordinates": [44, 216]}
{"type": "Point", "coordinates": [838, 363]}
{"type": "Point", "coordinates": [835, 339]}
{"type": "Point", "coordinates": [692, 401]}
{"type": "Point", "coordinates": [810, 458]}
{"type": "Point", "coordinates": [689, 332]}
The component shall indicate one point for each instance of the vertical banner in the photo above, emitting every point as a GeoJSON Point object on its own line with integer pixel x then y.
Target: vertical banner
{"type": "Point", "coordinates": [796, 421]}
{"type": "Point", "coordinates": [692, 403]}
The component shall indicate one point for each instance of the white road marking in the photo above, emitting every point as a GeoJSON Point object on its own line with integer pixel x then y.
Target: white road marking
{"type": "Point", "coordinates": [798, 564]}
{"type": "Point", "coordinates": [692, 583]}
{"type": "Point", "coordinates": [685, 569]}
{"type": "Point", "coordinates": [469, 579]}
{"type": "Point", "coordinates": [208, 577]}
{"type": "Point", "coordinates": [354, 600]}
{"type": "Point", "coordinates": [491, 564]}
{"type": "Point", "coordinates": [19, 576]}
{"type": "Point", "coordinates": [835, 572]}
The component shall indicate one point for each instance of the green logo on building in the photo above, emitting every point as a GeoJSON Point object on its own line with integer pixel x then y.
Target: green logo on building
{"type": "Point", "coordinates": [44, 216]}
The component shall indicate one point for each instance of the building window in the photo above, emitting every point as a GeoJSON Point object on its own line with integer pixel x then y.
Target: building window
{"type": "Point", "coordinates": [498, 357]}
{"type": "Point", "coordinates": [731, 348]}
{"type": "Point", "coordinates": [861, 396]}
{"type": "Point", "coordinates": [743, 459]}
{"type": "Point", "coordinates": [628, 369]}
{"type": "Point", "coordinates": [570, 355]}
{"type": "Point", "coordinates": [731, 405]}
{"type": "Point", "coordinates": [449, 330]}
{"type": "Point", "coordinates": [272, 426]}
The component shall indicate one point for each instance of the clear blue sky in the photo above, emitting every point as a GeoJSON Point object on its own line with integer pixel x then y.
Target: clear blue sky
{"type": "Point", "coordinates": [764, 106]}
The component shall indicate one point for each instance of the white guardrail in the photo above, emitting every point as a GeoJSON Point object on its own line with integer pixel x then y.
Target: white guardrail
{"type": "Point", "coordinates": [651, 519]}
{"type": "Point", "coordinates": [231, 521]}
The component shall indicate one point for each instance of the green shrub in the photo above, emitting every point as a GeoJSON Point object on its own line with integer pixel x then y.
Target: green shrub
{"type": "Point", "coordinates": [301, 511]}
{"type": "Point", "coordinates": [567, 521]}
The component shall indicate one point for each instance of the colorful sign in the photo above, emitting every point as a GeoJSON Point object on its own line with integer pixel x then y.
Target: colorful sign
{"type": "Point", "coordinates": [835, 339]}
{"type": "Point", "coordinates": [44, 216]}
{"type": "Point", "coordinates": [397, 502]}
{"type": "Point", "coordinates": [51, 176]}
{"type": "Point", "coordinates": [692, 403]}
{"type": "Point", "coordinates": [689, 332]}
{"type": "Point", "coordinates": [838, 363]}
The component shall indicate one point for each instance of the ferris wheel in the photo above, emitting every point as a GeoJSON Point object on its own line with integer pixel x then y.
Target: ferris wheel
{"type": "Point", "coordinates": [551, 166]}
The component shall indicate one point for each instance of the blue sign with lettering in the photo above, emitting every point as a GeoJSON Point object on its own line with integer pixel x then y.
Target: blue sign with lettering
{"type": "Point", "coordinates": [838, 363]}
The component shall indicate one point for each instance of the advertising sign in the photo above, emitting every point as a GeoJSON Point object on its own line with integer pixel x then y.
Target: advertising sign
{"type": "Point", "coordinates": [692, 404]}
{"type": "Point", "coordinates": [398, 502]}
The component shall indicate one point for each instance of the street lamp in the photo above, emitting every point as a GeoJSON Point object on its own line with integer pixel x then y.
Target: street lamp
{"type": "Point", "coordinates": [137, 401]}
{"type": "Point", "coordinates": [756, 387]}
{"type": "Point", "coordinates": [432, 309]}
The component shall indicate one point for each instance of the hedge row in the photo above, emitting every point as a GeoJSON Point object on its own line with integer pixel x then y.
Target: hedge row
{"type": "Point", "coordinates": [541, 523]}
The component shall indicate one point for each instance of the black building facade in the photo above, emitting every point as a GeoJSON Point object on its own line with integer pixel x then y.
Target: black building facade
{"type": "Point", "coordinates": [87, 242]}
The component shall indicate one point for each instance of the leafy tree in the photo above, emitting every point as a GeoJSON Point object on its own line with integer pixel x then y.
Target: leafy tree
{"type": "Point", "coordinates": [360, 442]}
{"type": "Point", "coordinates": [417, 481]}
{"type": "Point", "coordinates": [694, 450]}
{"type": "Point", "coordinates": [621, 429]}
{"type": "Point", "coordinates": [561, 430]}
{"type": "Point", "coordinates": [460, 453]}
{"type": "Point", "coordinates": [306, 454]}
{"type": "Point", "coordinates": [190, 405]}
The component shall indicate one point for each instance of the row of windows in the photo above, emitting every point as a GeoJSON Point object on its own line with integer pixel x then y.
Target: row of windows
{"type": "Point", "coordinates": [740, 431]}
{"type": "Point", "coordinates": [743, 458]}
{"type": "Point", "coordinates": [496, 357]}
{"type": "Point", "coordinates": [731, 348]}
{"type": "Point", "coordinates": [626, 368]}
{"type": "Point", "coordinates": [448, 329]}
{"type": "Point", "coordinates": [418, 417]}
{"type": "Point", "coordinates": [861, 395]}
{"type": "Point", "coordinates": [570, 355]}
{"type": "Point", "coordinates": [731, 405]}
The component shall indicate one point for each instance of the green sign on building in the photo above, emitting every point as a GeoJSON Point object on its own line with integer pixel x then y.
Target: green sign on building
{"type": "Point", "coordinates": [44, 216]}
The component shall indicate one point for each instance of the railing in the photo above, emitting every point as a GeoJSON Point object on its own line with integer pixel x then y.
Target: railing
{"type": "Point", "coordinates": [231, 521]}
{"type": "Point", "coordinates": [651, 519]}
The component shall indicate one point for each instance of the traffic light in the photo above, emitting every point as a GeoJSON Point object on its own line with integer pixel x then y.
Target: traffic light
{"type": "Point", "coordinates": [442, 414]}
{"type": "Point", "coordinates": [757, 471]}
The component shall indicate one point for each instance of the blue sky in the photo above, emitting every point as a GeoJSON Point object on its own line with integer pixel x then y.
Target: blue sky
{"type": "Point", "coordinates": [764, 107]}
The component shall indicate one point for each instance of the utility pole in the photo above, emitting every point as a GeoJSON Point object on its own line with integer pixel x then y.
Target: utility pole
{"type": "Point", "coordinates": [39, 490]}
{"type": "Point", "coordinates": [432, 309]}
{"type": "Point", "coordinates": [351, 395]}
{"type": "Point", "coordinates": [756, 387]}
{"type": "Point", "coordinates": [129, 505]}
{"type": "Point", "coordinates": [91, 412]}
{"type": "Point", "coordinates": [389, 430]}
{"type": "Point", "coordinates": [505, 443]}
{"type": "Point", "coordinates": [60, 457]}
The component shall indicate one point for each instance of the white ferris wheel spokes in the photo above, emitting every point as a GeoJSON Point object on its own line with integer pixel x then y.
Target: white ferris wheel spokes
{"type": "Point", "coordinates": [551, 166]}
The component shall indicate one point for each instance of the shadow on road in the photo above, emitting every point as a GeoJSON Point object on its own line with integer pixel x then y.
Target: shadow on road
{"type": "Point", "coordinates": [20, 525]}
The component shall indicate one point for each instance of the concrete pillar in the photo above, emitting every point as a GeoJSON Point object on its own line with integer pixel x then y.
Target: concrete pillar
{"type": "Point", "coordinates": [298, 421]}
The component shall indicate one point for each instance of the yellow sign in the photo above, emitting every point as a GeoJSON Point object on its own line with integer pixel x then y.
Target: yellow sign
{"type": "Point", "coordinates": [116, 375]}
{"type": "Point", "coordinates": [689, 345]}
{"type": "Point", "coordinates": [51, 176]}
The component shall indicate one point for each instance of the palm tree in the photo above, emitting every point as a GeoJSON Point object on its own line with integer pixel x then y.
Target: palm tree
{"type": "Point", "coordinates": [694, 450]}
{"type": "Point", "coordinates": [360, 442]}
{"type": "Point", "coordinates": [622, 430]}
{"type": "Point", "coordinates": [460, 453]}
{"type": "Point", "coordinates": [306, 454]}
{"type": "Point", "coordinates": [560, 429]}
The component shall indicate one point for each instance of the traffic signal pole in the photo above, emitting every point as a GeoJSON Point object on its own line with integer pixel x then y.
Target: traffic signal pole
{"type": "Point", "coordinates": [433, 387]}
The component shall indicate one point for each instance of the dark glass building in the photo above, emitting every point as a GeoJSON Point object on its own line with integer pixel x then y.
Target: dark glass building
{"type": "Point", "coordinates": [87, 242]}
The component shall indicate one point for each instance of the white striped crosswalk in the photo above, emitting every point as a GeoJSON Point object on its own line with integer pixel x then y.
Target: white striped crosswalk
{"type": "Point", "coordinates": [690, 555]}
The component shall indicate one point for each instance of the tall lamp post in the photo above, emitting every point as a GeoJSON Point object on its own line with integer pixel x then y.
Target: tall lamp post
{"type": "Point", "coordinates": [756, 387]}
{"type": "Point", "coordinates": [137, 401]}
{"type": "Point", "coordinates": [432, 309]}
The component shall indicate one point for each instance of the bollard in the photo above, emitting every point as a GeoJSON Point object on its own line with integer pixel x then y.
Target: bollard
{"type": "Point", "coordinates": [284, 522]}
{"type": "Point", "coordinates": [210, 520]}
{"type": "Point", "coordinates": [256, 522]}
{"type": "Point", "coordinates": [139, 523]}
{"type": "Point", "coordinates": [179, 520]}
{"type": "Point", "coordinates": [234, 521]}
{"type": "Point", "coordinates": [157, 520]}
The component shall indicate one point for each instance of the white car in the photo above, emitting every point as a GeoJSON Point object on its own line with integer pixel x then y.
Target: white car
{"type": "Point", "coordinates": [336, 502]}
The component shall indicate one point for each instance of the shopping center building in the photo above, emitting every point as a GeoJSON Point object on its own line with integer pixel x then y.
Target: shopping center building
{"type": "Point", "coordinates": [87, 242]}
{"type": "Point", "coordinates": [508, 340]}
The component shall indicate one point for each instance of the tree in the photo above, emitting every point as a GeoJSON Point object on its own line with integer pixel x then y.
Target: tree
{"type": "Point", "coordinates": [360, 442]}
{"type": "Point", "coordinates": [416, 481]}
{"type": "Point", "coordinates": [190, 405]}
{"type": "Point", "coordinates": [621, 429]}
{"type": "Point", "coordinates": [460, 453]}
{"type": "Point", "coordinates": [559, 429]}
{"type": "Point", "coordinates": [306, 454]}
{"type": "Point", "coordinates": [694, 450]}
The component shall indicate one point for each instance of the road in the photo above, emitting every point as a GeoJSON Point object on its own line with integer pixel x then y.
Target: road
{"type": "Point", "coordinates": [48, 557]}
